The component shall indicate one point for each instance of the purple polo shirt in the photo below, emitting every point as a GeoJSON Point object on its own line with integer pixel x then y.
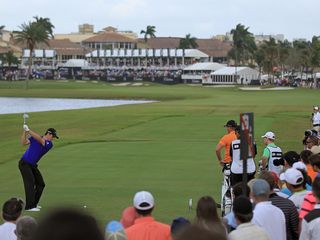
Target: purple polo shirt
{"type": "Point", "coordinates": [36, 151]}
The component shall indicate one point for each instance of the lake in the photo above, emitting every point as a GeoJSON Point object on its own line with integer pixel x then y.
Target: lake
{"type": "Point", "coordinates": [10, 105]}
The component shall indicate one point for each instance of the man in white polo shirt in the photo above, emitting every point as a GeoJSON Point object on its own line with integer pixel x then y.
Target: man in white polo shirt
{"type": "Point", "coordinates": [265, 215]}
{"type": "Point", "coordinates": [315, 119]}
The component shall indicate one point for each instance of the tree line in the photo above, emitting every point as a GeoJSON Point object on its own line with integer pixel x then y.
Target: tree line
{"type": "Point", "coordinates": [269, 56]}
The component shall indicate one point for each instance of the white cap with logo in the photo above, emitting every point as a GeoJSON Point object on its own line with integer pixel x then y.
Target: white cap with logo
{"type": "Point", "coordinates": [292, 176]}
{"type": "Point", "coordinates": [143, 200]}
{"type": "Point", "coordinates": [269, 135]}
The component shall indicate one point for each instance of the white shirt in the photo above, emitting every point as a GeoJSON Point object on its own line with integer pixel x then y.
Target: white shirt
{"type": "Point", "coordinates": [316, 118]}
{"type": "Point", "coordinates": [271, 219]}
{"type": "Point", "coordinates": [310, 228]}
{"type": "Point", "coordinates": [248, 231]}
{"type": "Point", "coordinates": [7, 231]}
{"type": "Point", "coordinates": [237, 163]}
{"type": "Point", "coordinates": [298, 197]}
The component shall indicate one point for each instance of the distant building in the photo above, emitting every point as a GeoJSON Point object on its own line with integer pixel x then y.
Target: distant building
{"type": "Point", "coordinates": [261, 38]}
{"type": "Point", "coordinates": [216, 50]}
{"type": "Point", "coordinates": [86, 28]}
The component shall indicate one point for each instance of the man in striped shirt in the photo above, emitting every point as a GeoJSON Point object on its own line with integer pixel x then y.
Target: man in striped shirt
{"type": "Point", "coordinates": [311, 223]}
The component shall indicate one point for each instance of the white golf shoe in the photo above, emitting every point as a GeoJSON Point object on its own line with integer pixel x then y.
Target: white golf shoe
{"type": "Point", "coordinates": [33, 210]}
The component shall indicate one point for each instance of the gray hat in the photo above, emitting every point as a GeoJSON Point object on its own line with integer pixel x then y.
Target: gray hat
{"type": "Point", "coordinates": [260, 187]}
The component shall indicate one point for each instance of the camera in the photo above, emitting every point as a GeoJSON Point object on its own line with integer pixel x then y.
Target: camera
{"type": "Point", "coordinates": [278, 162]}
{"type": "Point", "coordinates": [310, 132]}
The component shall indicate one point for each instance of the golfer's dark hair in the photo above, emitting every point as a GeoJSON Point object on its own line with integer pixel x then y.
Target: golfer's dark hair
{"type": "Point", "coordinates": [66, 224]}
{"type": "Point", "coordinates": [305, 155]}
{"type": "Point", "coordinates": [269, 178]}
{"type": "Point", "coordinates": [12, 209]}
{"type": "Point", "coordinates": [238, 190]}
{"type": "Point", "coordinates": [315, 160]}
{"type": "Point", "coordinates": [144, 212]}
{"type": "Point", "coordinates": [242, 209]}
{"type": "Point", "coordinates": [316, 187]}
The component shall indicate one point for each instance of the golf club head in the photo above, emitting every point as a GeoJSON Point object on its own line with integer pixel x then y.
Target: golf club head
{"type": "Point", "coordinates": [25, 117]}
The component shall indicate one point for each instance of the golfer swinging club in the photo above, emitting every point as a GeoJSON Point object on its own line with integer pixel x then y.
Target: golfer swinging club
{"type": "Point", "coordinates": [32, 178]}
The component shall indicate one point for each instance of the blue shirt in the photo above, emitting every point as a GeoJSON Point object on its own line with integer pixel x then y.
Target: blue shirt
{"type": "Point", "coordinates": [36, 151]}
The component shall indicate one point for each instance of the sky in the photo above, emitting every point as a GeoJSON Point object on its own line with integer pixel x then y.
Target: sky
{"type": "Point", "coordinates": [175, 18]}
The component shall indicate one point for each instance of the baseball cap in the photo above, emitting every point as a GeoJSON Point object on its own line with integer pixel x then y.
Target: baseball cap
{"type": "Point", "coordinates": [291, 157]}
{"type": "Point", "coordinates": [260, 187]}
{"type": "Point", "coordinates": [292, 176]}
{"type": "Point", "coordinates": [269, 135]}
{"type": "Point", "coordinates": [231, 123]}
{"type": "Point", "coordinates": [143, 200]}
{"type": "Point", "coordinates": [300, 165]}
{"type": "Point", "coordinates": [315, 108]}
{"type": "Point", "coordinates": [115, 231]}
{"type": "Point", "coordinates": [53, 132]}
{"type": "Point", "coordinates": [242, 205]}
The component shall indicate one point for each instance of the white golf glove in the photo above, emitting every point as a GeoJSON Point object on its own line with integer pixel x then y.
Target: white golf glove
{"type": "Point", "coordinates": [26, 128]}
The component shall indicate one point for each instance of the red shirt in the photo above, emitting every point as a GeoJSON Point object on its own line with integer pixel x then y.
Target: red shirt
{"type": "Point", "coordinates": [146, 228]}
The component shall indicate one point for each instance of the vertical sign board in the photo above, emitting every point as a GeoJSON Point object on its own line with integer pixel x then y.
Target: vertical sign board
{"type": "Point", "coordinates": [246, 143]}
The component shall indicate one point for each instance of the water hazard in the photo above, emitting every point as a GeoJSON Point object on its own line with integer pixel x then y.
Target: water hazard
{"type": "Point", "coordinates": [9, 105]}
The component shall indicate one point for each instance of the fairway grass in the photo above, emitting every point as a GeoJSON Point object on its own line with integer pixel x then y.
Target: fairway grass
{"type": "Point", "coordinates": [106, 154]}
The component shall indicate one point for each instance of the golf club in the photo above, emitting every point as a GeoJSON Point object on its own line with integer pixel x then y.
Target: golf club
{"type": "Point", "coordinates": [25, 117]}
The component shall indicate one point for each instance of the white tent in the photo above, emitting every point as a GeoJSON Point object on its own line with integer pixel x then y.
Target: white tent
{"type": "Point", "coordinates": [233, 75]}
{"type": "Point", "coordinates": [199, 72]}
{"type": "Point", "coordinates": [188, 53]}
{"type": "Point", "coordinates": [39, 53]}
{"type": "Point", "coordinates": [204, 66]}
{"type": "Point", "coordinates": [76, 63]}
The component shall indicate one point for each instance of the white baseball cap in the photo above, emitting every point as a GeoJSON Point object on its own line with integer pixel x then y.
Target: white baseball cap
{"type": "Point", "coordinates": [292, 176]}
{"type": "Point", "coordinates": [143, 200]}
{"type": "Point", "coordinates": [299, 165]}
{"type": "Point", "coordinates": [316, 108]}
{"type": "Point", "coordinates": [269, 135]}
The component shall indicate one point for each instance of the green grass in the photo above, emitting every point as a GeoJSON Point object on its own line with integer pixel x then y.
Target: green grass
{"type": "Point", "coordinates": [107, 154]}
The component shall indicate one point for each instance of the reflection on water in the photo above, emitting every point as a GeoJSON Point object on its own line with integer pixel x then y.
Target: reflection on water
{"type": "Point", "coordinates": [20, 105]}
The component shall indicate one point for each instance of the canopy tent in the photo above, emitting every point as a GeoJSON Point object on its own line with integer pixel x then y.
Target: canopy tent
{"type": "Point", "coordinates": [233, 75]}
{"type": "Point", "coordinates": [129, 53]}
{"type": "Point", "coordinates": [76, 63]}
{"type": "Point", "coordinates": [39, 53]}
{"type": "Point", "coordinates": [204, 66]}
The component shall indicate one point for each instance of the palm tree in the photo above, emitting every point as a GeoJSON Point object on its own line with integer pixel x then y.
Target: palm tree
{"type": "Point", "coordinates": [188, 42]}
{"type": "Point", "coordinates": [150, 31]}
{"type": "Point", "coordinates": [1, 28]}
{"type": "Point", "coordinates": [315, 56]}
{"type": "Point", "coordinates": [46, 24]}
{"type": "Point", "coordinates": [270, 49]}
{"type": "Point", "coordinates": [34, 33]}
{"type": "Point", "coordinates": [243, 44]}
{"type": "Point", "coordinates": [9, 58]}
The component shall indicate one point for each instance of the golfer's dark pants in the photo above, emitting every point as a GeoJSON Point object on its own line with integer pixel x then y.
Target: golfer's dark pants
{"type": "Point", "coordinates": [236, 178]}
{"type": "Point", "coordinates": [33, 183]}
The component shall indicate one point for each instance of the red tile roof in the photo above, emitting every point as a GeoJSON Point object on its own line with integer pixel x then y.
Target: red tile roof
{"type": "Point", "coordinates": [212, 47]}
{"type": "Point", "coordinates": [109, 37]}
